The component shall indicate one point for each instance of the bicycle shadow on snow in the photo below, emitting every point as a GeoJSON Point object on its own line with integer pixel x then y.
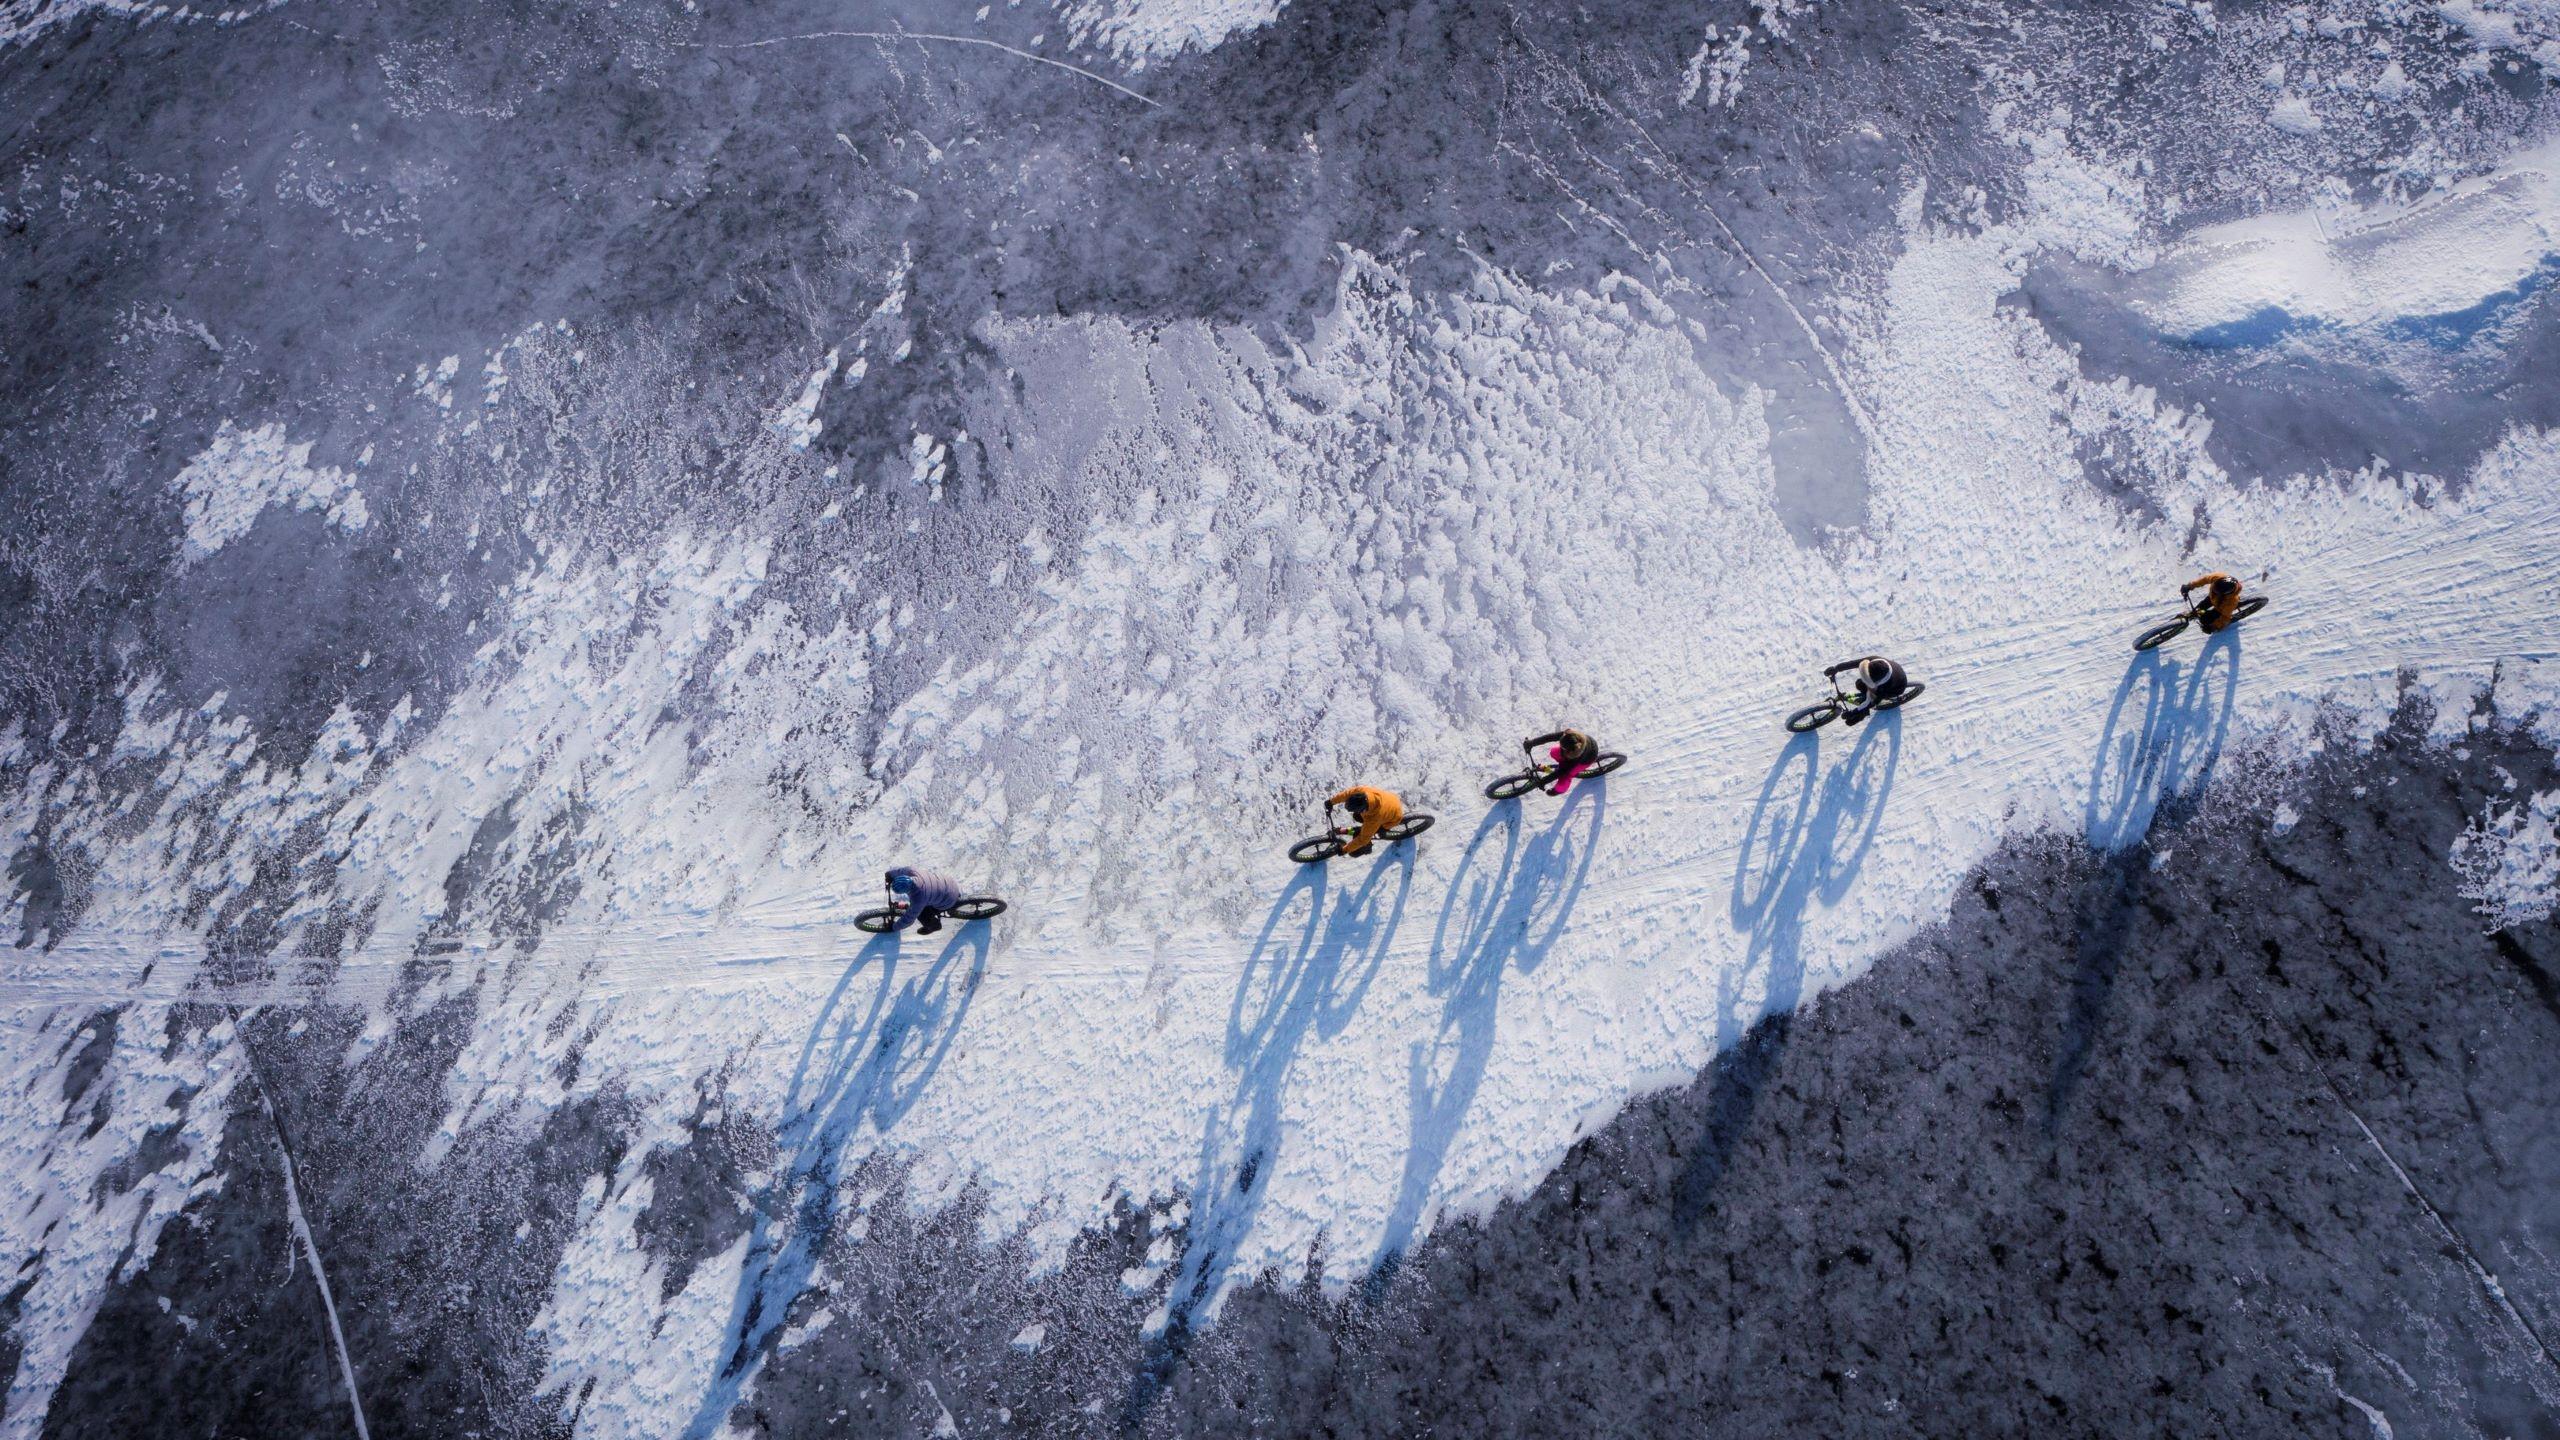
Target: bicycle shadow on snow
{"type": "Point", "coordinates": [860, 1062]}
{"type": "Point", "coordinates": [1506, 908]}
{"type": "Point", "coordinates": [2163, 737]}
{"type": "Point", "coordinates": [1808, 837]}
{"type": "Point", "coordinates": [2164, 733]}
{"type": "Point", "coordinates": [1304, 977]}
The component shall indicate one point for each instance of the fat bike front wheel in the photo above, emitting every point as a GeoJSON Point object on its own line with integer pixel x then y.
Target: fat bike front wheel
{"type": "Point", "coordinates": [1814, 717]}
{"type": "Point", "coordinates": [1316, 849]}
{"type": "Point", "coordinates": [2161, 634]}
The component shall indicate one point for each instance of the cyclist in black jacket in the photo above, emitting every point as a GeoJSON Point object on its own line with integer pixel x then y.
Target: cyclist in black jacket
{"type": "Point", "coordinates": [1572, 753]}
{"type": "Point", "coordinates": [1879, 680]}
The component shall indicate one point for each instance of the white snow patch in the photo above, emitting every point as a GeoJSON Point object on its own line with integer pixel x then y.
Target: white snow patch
{"type": "Point", "coordinates": [2357, 266]}
{"type": "Point", "coordinates": [2294, 116]}
{"type": "Point", "coordinates": [239, 475]}
{"type": "Point", "coordinates": [798, 421]}
{"type": "Point", "coordinates": [2527, 692]}
{"type": "Point", "coordinates": [2530, 27]}
{"type": "Point", "coordinates": [435, 383]}
{"type": "Point", "coordinates": [1144, 30]}
{"type": "Point", "coordinates": [2454, 692]}
{"type": "Point", "coordinates": [2509, 861]}
{"type": "Point", "coordinates": [70, 1203]}
{"type": "Point", "coordinates": [2081, 201]}
{"type": "Point", "coordinates": [1716, 66]}
{"type": "Point", "coordinates": [605, 1293]}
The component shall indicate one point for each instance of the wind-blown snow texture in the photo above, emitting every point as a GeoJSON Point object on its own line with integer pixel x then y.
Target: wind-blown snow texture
{"type": "Point", "coordinates": [513, 520]}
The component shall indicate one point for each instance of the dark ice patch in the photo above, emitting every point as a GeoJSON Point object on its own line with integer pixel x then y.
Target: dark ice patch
{"type": "Point", "coordinates": [96, 1039]}
{"type": "Point", "coordinates": [438, 1270]}
{"type": "Point", "coordinates": [223, 1332]}
{"type": "Point", "coordinates": [12, 1343]}
{"type": "Point", "coordinates": [901, 1349]}
{"type": "Point", "coordinates": [288, 621]}
{"type": "Point", "coordinates": [698, 1203]}
{"type": "Point", "coordinates": [36, 883]}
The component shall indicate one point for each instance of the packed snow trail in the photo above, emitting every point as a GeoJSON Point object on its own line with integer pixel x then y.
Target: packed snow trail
{"type": "Point", "coordinates": [1170, 1005]}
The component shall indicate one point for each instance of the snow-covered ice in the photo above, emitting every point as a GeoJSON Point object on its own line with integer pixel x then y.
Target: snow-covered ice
{"type": "Point", "coordinates": [2448, 253]}
{"type": "Point", "coordinates": [1261, 564]}
{"type": "Point", "coordinates": [2509, 861]}
{"type": "Point", "coordinates": [1589, 536]}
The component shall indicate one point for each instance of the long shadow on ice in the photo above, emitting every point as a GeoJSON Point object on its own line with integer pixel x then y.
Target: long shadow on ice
{"type": "Point", "coordinates": [1808, 837]}
{"type": "Point", "coordinates": [860, 1061]}
{"type": "Point", "coordinates": [1505, 910]}
{"type": "Point", "coordinates": [2164, 734]}
{"type": "Point", "coordinates": [1303, 977]}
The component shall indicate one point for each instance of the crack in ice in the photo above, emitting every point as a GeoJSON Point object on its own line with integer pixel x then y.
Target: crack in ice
{"type": "Point", "coordinates": [947, 40]}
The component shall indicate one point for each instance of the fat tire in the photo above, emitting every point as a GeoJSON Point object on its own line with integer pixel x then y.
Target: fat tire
{"type": "Point", "coordinates": [1814, 717]}
{"type": "Point", "coordinates": [2161, 634]}
{"type": "Point", "coordinates": [1609, 760]}
{"type": "Point", "coordinates": [1316, 849]}
{"type": "Point", "coordinates": [1406, 828]}
{"type": "Point", "coordinates": [876, 922]}
{"type": "Point", "coordinates": [1909, 693]}
{"type": "Point", "coordinates": [2248, 607]}
{"type": "Point", "coordinates": [1512, 787]}
{"type": "Point", "coordinates": [979, 907]}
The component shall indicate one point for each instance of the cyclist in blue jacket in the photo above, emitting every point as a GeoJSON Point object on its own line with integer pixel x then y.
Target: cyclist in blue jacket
{"type": "Point", "coordinates": [921, 897]}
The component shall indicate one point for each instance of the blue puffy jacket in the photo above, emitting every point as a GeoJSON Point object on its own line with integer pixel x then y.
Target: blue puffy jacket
{"type": "Point", "coordinates": [923, 889]}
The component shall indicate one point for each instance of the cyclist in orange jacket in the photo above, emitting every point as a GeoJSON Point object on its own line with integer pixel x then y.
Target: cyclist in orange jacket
{"type": "Point", "coordinates": [1372, 809]}
{"type": "Point", "coordinates": [2221, 600]}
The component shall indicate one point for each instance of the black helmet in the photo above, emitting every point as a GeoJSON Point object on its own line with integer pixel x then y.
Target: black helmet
{"type": "Point", "coordinates": [1355, 802]}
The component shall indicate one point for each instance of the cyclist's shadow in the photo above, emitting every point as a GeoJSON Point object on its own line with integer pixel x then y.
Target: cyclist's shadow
{"type": "Point", "coordinates": [1809, 835]}
{"type": "Point", "coordinates": [2164, 734]}
{"type": "Point", "coordinates": [860, 1062]}
{"type": "Point", "coordinates": [1507, 905]}
{"type": "Point", "coordinates": [1304, 976]}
